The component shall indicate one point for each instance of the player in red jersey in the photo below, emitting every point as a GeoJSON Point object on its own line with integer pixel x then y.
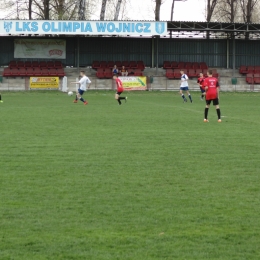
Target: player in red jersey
{"type": "Point", "coordinates": [211, 86]}
{"type": "Point", "coordinates": [201, 85]}
{"type": "Point", "coordinates": [120, 90]}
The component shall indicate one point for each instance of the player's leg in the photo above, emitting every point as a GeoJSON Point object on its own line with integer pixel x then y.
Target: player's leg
{"type": "Point", "coordinates": [1, 101]}
{"type": "Point", "coordinates": [202, 93]}
{"type": "Point", "coordinates": [206, 111]}
{"type": "Point", "coordinates": [76, 97]}
{"type": "Point", "coordinates": [117, 97]}
{"type": "Point", "coordinates": [189, 95]}
{"type": "Point", "coordinates": [182, 95]}
{"type": "Point", "coordinates": [216, 104]}
{"type": "Point", "coordinates": [122, 98]}
{"type": "Point", "coordinates": [79, 96]}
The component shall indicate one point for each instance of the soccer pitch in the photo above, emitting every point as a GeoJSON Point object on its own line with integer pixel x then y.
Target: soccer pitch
{"type": "Point", "coordinates": [145, 180]}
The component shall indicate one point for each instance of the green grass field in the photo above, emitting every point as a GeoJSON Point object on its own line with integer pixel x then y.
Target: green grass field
{"type": "Point", "coordinates": [145, 180]}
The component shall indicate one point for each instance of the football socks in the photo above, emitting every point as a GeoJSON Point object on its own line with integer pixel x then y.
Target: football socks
{"type": "Point", "coordinates": [206, 113]}
{"type": "Point", "coordinates": [218, 112]}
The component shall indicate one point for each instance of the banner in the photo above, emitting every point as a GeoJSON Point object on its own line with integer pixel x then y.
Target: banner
{"type": "Point", "coordinates": [44, 82]}
{"type": "Point", "coordinates": [144, 28]}
{"type": "Point", "coordinates": [40, 48]}
{"type": "Point", "coordinates": [134, 83]}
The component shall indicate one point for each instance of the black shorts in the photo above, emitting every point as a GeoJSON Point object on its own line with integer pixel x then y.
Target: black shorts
{"type": "Point", "coordinates": [215, 101]}
{"type": "Point", "coordinates": [119, 93]}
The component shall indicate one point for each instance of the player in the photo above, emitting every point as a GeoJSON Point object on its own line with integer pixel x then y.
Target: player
{"type": "Point", "coordinates": [184, 86]}
{"type": "Point", "coordinates": [120, 90]}
{"type": "Point", "coordinates": [1, 101]}
{"type": "Point", "coordinates": [212, 94]}
{"type": "Point", "coordinates": [82, 88]}
{"type": "Point", "coordinates": [200, 83]}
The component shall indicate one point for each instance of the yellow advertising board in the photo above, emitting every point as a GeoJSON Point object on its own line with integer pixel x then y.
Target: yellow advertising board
{"type": "Point", "coordinates": [134, 83]}
{"type": "Point", "coordinates": [44, 82]}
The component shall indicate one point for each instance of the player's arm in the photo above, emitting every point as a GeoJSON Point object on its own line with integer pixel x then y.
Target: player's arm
{"type": "Point", "coordinates": [78, 82]}
{"type": "Point", "coordinates": [89, 83]}
{"type": "Point", "coordinates": [205, 85]}
{"type": "Point", "coordinates": [218, 87]}
{"type": "Point", "coordinates": [75, 82]}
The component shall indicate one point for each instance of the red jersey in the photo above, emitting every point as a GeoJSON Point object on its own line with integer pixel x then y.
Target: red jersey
{"type": "Point", "coordinates": [201, 81]}
{"type": "Point", "coordinates": [213, 85]}
{"type": "Point", "coordinates": [119, 85]}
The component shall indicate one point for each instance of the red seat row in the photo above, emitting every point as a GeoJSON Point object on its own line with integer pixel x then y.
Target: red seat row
{"type": "Point", "coordinates": [110, 64]}
{"type": "Point", "coordinates": [27, 72]}
{"type": "Point", "coordinates": [249, 69]}
{"type": "Point", "coordinates": [253, 78]}
{"type": "Point", "coordinates": [107, 73]}
{"type": "Point", "coordinates": [35, 64]}
{"type": "Point", "coordinates": [191, 73]}
{"type": "Point", "coordinates": [184, 65]}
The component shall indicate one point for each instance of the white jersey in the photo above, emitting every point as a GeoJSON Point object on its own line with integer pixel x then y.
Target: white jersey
{"type": "Point", "coordinates": [184, 81]}
{"type": "Point", "coordinates": [83, 83]}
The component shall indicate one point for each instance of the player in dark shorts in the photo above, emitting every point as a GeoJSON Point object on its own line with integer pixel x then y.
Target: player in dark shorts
{"type": "Point", "coordinates": [201, 85]}
{"type": "Point", "coordinates": [120, 90]}
{"type": "Point", "coordinates": [212, 94]}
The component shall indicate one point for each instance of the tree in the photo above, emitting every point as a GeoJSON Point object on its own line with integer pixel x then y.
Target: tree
{"type": "Point", "coordinates": [211, 4]}
{"type": "Point", "coordinates": [158, 4]}
{"type": "Point", "coordinates": [248, 7]}
{"type": "Point", "coordinates": [118, 5]}
{"type": "Point", "coordinates": [103, 10]}
{"type": "Point", "coordinates": [227, 11]}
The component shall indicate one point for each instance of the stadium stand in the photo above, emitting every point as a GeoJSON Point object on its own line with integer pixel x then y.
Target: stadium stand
{"type": "Point", "coordinates": [104, 68]}
{"type": "Point", "coordinates": [110, 64]}
{"type": "Point", "coordinates": [252, 73]}
{"type": "Point", "coordinates": [34, 68]}
{"type": "Point", "coordinates": [192, 69]}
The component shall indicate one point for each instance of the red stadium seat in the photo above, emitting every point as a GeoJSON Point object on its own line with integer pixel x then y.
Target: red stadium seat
{"type": "Point", "coordinates": [43, 64]}
{"type": "Point", "coordinates": [12, 64]}
{"type": "Point", "coordinates": [138, 73]}
{"type": "Point", "coordinates": [100, 74]}
{"type": "Point", "coordinates": [133, 65]}
{"type": "Point", "coordinates": [126, 64]}
{"type": "Point", "coordinates": [7, 72]}
{"type": "Point", "coordinates": [249, 78]}
{"type": "Point", "coordinates": [103, 64]}
{"type": "Point", "coordinates": [15, 72]}
{"type": "Point", "coordinates": [177, 73]}
{"type": "Point", "coordinates": [108, 74]}
{"type": "Point", "coordinates": [20, 64]}
{"type": "Point", "coordinates": [243, 69]}
{"type": "Point", "coordinates": [35, 64]}
{"type": "Point", "coordinates": [27, 64]}
{"type": "Point", "coordinates": [118, 64]}
{"type": "Point", "coordinates": [37, 72]}
{"type": "Point", "coordinates": [257, 78]}
{"type": "Point", "coordinates": [196, 65]}
{"type": "Point", "coordinates": [58, 65]}
{"type": "Point", "coordinates": [23, 72]}
{"type": "Point", "coordinates": [50, 64]}
{"type": "Point", "coordinates": [60, 72]}
{"type": "Point", "coordinates": [203, 65]}
{"type": "Point", "coordinates": [95, 65]}
{"type": "Point", "coordinates": [53, 72]}
{"type": "Point", "coordinates": [257, 69]}
{"type": "Point", "coordinates": [167, 65]}
{"type": "Point", "coordinates": [110, 64]}
{"type": "Point", "coordinates": [174, 64]}
{"type": "Point", "coordinates": [251, 69]}
{"type": "Point", "coordinates": [192, 73]}
{"type": "Point", "coordinates": [181, 65]}
{"type": "Point", "coordinates": [30, 72]}
{"type": "Point", "coordinates": [169, 74]}
{"type": "Point", "coordinates": [45, 72]}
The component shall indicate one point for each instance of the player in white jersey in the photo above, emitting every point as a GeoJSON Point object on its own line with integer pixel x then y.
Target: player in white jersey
{"type": "Point", "coordinates": [83, 82]}
{"type": "Point", "coordinates": [184, 86]}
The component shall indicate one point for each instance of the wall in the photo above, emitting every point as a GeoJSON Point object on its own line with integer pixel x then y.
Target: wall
{"type": "Point", "coordinates": [214, 52]}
